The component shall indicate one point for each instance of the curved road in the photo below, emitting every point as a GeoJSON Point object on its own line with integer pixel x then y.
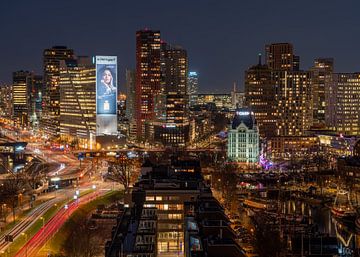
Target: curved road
{"type": "Point", "coordinates": [34, 245]}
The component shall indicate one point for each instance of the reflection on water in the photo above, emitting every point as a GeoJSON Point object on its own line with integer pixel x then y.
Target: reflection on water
{"type": "Point", "coordinates": [320, 217]}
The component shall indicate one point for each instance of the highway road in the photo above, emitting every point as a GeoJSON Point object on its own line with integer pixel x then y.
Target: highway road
{"type": "Point", "coordinates": [35, 243]}
{"type": "Point", "coordinates": [34, 214]}
{"type": "Point", "coordinates": [27, 222]}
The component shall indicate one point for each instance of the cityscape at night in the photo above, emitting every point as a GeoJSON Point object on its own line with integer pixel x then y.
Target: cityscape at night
{"type": "Point", "coordinates": [179, 129]}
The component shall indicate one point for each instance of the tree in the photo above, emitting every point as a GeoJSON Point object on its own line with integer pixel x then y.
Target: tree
{"type": "Point", "coordinates": [220, 122]}
{"type": "Point", "coordinates": [82, 241]}
{"type": "Point", "coordinates": [224, 180]}
{"type": "Point", "coordinates": [123, 170]}
{"type": "Point", "coordinates": [11, 189]}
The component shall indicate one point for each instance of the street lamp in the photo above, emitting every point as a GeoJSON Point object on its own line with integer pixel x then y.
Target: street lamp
{"type": "Point", "coordinates": [43, 222]}
{"type": "Point", "coordinates": [3, 208]}
{"type": "Point", "coordinates": [26, 241]}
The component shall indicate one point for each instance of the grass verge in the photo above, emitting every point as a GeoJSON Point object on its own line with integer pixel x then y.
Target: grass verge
{"type": "Point", "coordinates": [56, 243]}
{"type": "Point", "coordinates": [30, 232]}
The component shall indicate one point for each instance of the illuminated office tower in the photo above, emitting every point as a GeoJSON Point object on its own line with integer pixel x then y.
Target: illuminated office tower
{"type": "Point", "coordinates": [193, 87]}
{"type": "Point", "coordinates": [321, 74]}
{"type": "Point", "coordinates": [148, 76]}
{"type": "Point", "coordinates": [22, 84]}
{"type": "Point", "coordinates": [6, 106]}
{"type": "Point", "coordinates": [51, 99]}
{"type": "Point", "coordinates": [130, 112]}
{"type": "Point", "coordinates": [130, 94]}
{"type": "Point", "coordinates": [293, 93]}
{"type": "Point", "coordinates": [280, 56]}
{"type": "Point", "coordinates": [173, 129]}
{"type": "Point", "coordinates": [294, 102]}
{"type": "Point", "coordinates": [243, 138]}
{"type": "Point", "coordinates": [78, 102]}
{"type": "Point", "coordinates": [260, 94]}
{"type": "Point", "coordinates": [36, 97]}
{"type": "Point", "coordinates": [343, 103]}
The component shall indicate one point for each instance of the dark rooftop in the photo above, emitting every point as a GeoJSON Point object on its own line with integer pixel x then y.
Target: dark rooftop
{"type": "Point", "coordinates": [243, 115]}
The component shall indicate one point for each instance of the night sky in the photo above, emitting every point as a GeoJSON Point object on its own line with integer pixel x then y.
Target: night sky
{"type": "Point", "coordinates": [222, 38]}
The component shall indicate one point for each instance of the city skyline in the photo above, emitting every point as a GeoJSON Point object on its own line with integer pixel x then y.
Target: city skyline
{"type": "Point", "coordinates": [242, 34]}
{"type": "Point", "coordinates": [179, 129]}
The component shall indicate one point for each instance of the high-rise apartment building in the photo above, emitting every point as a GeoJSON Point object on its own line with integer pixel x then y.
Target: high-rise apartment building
{"type": "Point", "coordinates": [343, 103]}
{"type": "Point", "coordinates": [51, 62]}
{"type": "Point", "coordinates": [294, 102]}
{"type": "Point", "coordinates": [78, 102]}
{"type": "Point", "coordinates": [193, 87]}
{"type": "Point", "coordinates": [260, 94]}
{"type": "Point", "coordinates": [130, 76]}
{"type": "Point", "coordinates": [293, 93]}
{"type": "Point", "coordinates": [6, 106]}
{"type": "Point", "coordinates": [148, 77]}
{"type": "Point", "coordinates": [321, 74]}
{"type": "Point", "coordinates": [280, 56]}
{"type": "Point", "coordinates": [173, 129]}
{"type": "Point", "coordinates": [243, 138]}
{"type": "Point", "coordinates": [21, 89]}
{"type": "Point", "coordinates": [171, 211]}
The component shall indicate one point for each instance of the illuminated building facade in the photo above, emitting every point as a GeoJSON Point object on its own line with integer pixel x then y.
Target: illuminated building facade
{"type": "Point", "coordinates": [260, 94]}
{"type": "Point", "coordinates": [130, 76]}
{"type": "Point", "coordinates": [280, 56]}
{"type": "Point", "coordinates": [287, 147]}
{"type": "Point", "coordinates": [148, 78]}
{"type": "Point", "coordinates": [243, 138]}
{"type": "Point", "coordinates": [167, 189]}
{"type": "Point", "coordinates": [294, 102]}
{"type": "Point", "coordinates": [279, 93]}
{"type": "Point", "coordinates": [335, 144]}
{"type": "Point", "coordinates": [193, 87]}
{"type": "Point", "coordinates": [220, 100]}
{"type": "Point", "coordinates": [21, 97]}
{"type": "Point", "coordinates": [170, 211]}
{"type": "Point", "coordinates": [343, 103]}
{"type": "Point", "coordinates": [36, 100]}
{"type": "Point", "coordinates": [6, 106]}
{"type": "Point", "coordinates": [321, 74]}
{"type": "Point", "coordinates": [173, 129]}
{"type": "Point", "coordinates": [78, 102]}
{"type": "Point", "coordinates": [51, 100]}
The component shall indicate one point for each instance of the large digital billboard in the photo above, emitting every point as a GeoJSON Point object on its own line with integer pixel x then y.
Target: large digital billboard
{"type": "Point", "coordinates": [106, 95]}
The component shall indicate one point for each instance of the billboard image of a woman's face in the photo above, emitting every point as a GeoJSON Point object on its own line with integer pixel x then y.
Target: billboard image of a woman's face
{"type": "Point", "coordinates": [106, 89]}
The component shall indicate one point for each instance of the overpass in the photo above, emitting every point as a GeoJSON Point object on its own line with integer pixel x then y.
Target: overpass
{"type": "Point", "coordinates": [113, 152]}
